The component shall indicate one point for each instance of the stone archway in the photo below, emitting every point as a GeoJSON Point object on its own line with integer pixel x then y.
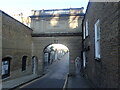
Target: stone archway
{"type": "Point", "coordinates": [53, 53]}
{"type": "Point", "coordinates": [72, 42]}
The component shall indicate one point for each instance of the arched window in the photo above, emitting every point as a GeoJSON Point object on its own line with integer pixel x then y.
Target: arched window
{"type": "Point", "coordinates": [24, 58]}
{"type": "Point", "coordinates": [6, 67]}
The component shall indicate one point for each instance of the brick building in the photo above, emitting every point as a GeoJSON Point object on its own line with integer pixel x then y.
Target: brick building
{"type": "Point", "coordinates": [57, 26]}
{"type": "Point", "coordinates": [101, 45]}
{"type": "Point", "coordinates": [16, 44]}
{"type": "Point", "coordinates": [23, 48]}
{"type": "Point", "coordinates": [20, 47]}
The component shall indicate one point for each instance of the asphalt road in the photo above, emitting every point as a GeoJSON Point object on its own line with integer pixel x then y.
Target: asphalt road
{"type": "Point", "coordinates": [55, 76]}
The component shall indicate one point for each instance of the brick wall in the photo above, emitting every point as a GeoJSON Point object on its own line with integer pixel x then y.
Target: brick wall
{"type": "Point", "coordinates": [72, 42]}
{"type": "Point", "coordinates": [103, 73]}
{"type": "Point", "coordinates": [16, 42]}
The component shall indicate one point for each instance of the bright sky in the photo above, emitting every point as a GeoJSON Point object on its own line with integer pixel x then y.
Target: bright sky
{"type": "Point", "coordinates": [25, 6]}
{"type": "Point", "coordinates": [59, 46]}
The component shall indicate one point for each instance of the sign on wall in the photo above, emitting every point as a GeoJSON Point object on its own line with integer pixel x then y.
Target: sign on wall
{"type": "Point", "coordinates": [5, 68]}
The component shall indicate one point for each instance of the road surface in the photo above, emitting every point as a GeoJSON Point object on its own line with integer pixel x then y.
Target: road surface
{"type": "Point", "coordinates": [55, 76]}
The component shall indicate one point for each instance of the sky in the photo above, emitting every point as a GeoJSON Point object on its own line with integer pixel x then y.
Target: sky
{"type": "Point", "coordinates": [25, 6]}
{"type": "Point", "coordinates": [59, 46]}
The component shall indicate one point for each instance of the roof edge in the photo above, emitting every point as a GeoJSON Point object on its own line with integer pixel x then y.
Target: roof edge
{"type": "Point", "coordinates": [15, 19]}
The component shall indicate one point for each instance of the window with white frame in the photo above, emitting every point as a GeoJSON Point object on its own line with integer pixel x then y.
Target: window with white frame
{"type": "Point", "coordinates": [84, 32]}
{"type": "Point", "coordinates": [84, 59]}
{"type": "Point", "coordinates": [86, 27]}
{"type": "Point", "coordinates": [97, 39]}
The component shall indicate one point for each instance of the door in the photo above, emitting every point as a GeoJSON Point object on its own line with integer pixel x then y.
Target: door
{"type": "Point", "coordinates": [34, 65]}
{"type": "Point", "coordinates": [46, 55]}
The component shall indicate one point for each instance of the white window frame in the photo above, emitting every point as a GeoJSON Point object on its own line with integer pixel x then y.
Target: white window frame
{"type": "Point", "coordinates": [84, 59]}
{"type": "Point", "coordinates": [97, 39]}
{"type": "Point", "coordinates": [87, 27]}
{"type": "Point", "coordinates": [84, 35]}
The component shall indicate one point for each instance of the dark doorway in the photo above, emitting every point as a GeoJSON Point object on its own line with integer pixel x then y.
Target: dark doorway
{"type": "Point", "coordinates": [24, 58]}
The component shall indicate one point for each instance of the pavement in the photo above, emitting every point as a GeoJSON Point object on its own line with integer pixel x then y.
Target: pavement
{"type": "Point", "coordinates": [71, 82]}
{"type": "Point", "coordinates": [77, 81]}
{"type": "Point", "coordinates": [55, 78]}
{"type": "Point", "coordinates": [19, 81]}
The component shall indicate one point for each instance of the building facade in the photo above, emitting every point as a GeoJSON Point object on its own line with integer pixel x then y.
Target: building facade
{"type": "Point", "coordinates": [22, 48]}
{"type": "Point", "coordinates": [16, 48]}
{"type": "Point", "coordinates": [57, 26]}
{"type": "Point", "coordinates": [57, 20]}
{"type": "Point", "coordinates": [100, 43]}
